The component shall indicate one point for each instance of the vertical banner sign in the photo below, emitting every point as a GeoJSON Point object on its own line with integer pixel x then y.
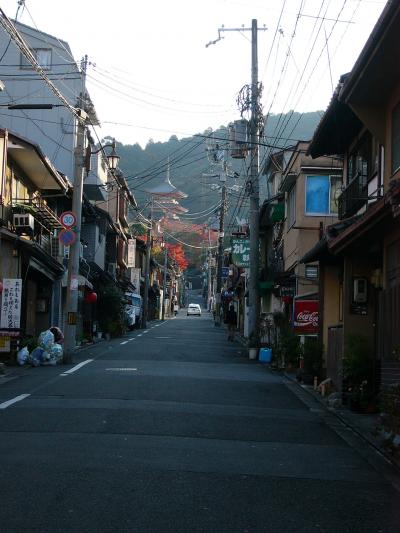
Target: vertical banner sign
{"type": "Point", "coordinates": [306, 316]}
{"type": "Point", "coordinates": [131, 252]}
{"type": "Point", "coordinates": [135, 279]}
{"type": "Point", "coordinates": [241, 252]}
{"type": "Point", "coordinates": [11, 304]}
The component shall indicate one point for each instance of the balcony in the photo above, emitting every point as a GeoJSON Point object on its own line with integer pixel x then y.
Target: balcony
{"type": "Point", "coordinates": [40, 211]}
{"type": "Point", "coordinates": [354, 196]}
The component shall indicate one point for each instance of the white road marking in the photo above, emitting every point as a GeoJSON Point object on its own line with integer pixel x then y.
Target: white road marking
{"type": "Point", "coordinates": [163, 337]}
{"type": "Point", "coordinates": [146, 331]}
{"type": "Point", "coordinates": [6, 404]}
{"type": "Point", "coordinates": [125, 342]}
{"type": "Point", "coordinates": [76, 367]}
{"type": "Point", "coordinates": [131, 339]}
{"type": "Point", "coordinates": [139, 335]}
{"type": "Point", "coordinates": [121, 369]}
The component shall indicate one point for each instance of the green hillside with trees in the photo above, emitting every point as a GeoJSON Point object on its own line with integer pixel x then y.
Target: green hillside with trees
{"type": "Point", "coordinates": [188, 160]}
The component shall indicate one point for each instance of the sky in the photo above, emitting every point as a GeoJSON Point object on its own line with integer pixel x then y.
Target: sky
{"type": "Point", "coordinates": [151, 75]}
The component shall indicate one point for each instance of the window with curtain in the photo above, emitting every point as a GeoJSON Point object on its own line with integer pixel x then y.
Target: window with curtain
{"type": "Point", "coordinates": [322, 194]}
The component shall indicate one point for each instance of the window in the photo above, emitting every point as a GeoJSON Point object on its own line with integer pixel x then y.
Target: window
{"type": "Point", "coordinates": [43, 57]}
{"type": "Point", "coordinates": [322, 193]}
{"type": "Point", "coordinates": [291, 207]}
{"type": "Point", "coordinates": [311, 271]}
{"type": "Point", "coordinates": [396, 138]}
{"type": "Point", "coordinates": [360, 161]}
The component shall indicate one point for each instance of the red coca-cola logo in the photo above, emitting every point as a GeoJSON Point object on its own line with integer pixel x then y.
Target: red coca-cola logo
{"type": "Point", "coordinates": [306, 318]}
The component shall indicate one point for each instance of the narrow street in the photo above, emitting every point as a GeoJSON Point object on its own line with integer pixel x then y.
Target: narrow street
{"type": "Point", "coordinates": [173, 429]}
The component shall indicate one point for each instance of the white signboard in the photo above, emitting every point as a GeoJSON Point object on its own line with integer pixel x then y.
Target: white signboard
{"type": "Point", "coordinates": [131, 252]}
{"type": "Point", "coordinates": [11, 303]}
{"type": "Point", "coordinates": [135, 279]}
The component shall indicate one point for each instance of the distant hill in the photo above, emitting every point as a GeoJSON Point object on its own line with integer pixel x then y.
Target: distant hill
{"type": "Point", "coordinates": [188, 159]}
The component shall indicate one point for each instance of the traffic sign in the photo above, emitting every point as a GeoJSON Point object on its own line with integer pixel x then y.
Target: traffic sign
{"type": "Point", "coordinates": [68, 219]}
{"type": "Point", "coordinates": [225, 272]}
{"type": "Point", "coordinates": [67, 237]}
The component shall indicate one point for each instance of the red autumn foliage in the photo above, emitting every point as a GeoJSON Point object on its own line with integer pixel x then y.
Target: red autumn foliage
{"type": "Point", "coordinates": [177, 253]}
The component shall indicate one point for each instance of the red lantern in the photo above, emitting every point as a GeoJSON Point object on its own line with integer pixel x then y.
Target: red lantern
{"type": "Point", "coordinates": [91, 297]}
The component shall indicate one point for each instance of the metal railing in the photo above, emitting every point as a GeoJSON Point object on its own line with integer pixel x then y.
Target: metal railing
{"type": "Point", "coordinates": [353, 197]}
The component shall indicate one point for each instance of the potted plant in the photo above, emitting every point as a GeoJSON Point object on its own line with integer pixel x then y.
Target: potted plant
{"type": "Point", "coordinates": [253, 345]}
{"type": "Point", "coordinates": [358, 372]}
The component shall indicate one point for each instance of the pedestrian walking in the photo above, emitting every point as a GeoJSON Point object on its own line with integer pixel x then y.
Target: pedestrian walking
{"type": "Point", "coordinates": [231, 320]}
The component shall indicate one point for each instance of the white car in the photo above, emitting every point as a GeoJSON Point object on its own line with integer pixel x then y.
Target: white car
{"type": "Point", "coordinates": [194, 309]}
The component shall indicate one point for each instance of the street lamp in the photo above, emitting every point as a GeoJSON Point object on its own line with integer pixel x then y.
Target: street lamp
{"type": "Point", "coordinates": [112, 158]}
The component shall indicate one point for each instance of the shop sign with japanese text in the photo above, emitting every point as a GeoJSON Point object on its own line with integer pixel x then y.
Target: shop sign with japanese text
{"type": "Point", "coordinates": [11, 303]}
{"type": "Point", "coordinates": [131, 253]}
{"type": "Point", "coordinates": [306, 316]}
{"type": "Point", "coordinates": [240, 252]}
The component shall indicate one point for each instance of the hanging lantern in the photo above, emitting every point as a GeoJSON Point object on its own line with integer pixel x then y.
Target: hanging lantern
{"type": "Point", "coordinates": [91, 297]}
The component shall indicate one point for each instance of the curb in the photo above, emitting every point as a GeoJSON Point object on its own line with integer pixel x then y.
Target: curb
{"type": "Point", "coordinates": [348, 424]}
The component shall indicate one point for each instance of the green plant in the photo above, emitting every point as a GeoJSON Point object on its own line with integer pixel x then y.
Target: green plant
{"type": "Point", "coordinates": [290, 348]}
{"type": "Point", "coordinates": [111, 312]}
{"type": "Point", "coordinates": [358, 362]}
{"type": "Point", "coordinates": [390, 407]}
{"type": "Point", "coordinates": [30, 342]}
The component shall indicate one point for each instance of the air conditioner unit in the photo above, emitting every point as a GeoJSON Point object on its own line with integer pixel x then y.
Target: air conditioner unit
{"type": "Point", "coordinates": [23, 221]}
{"type": "Point", "coordinates": [112, 269]}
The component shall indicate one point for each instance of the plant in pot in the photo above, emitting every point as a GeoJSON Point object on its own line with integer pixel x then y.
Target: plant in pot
{"type": "Point", "coordinates": [253, 344]}
{"type": "Point", "coordinates": [291, 349]}
{"type": "Point", "coordinates": [358, 373]}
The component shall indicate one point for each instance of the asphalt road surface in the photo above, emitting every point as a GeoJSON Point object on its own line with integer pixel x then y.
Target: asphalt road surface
{"type": "Point", "coordinates": [173, 429]}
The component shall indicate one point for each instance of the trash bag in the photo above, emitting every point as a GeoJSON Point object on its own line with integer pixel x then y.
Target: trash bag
{"type": "Point", "coordinates": [46, 340]}
{"type": "Point", "coordinates": [36, 356]}
{"type": "Point", "coordinates": [56, 353]}
{"type": "Point", "coordinates": [23, 356]}
{"type": "Point", "coordinates": [58, 334]}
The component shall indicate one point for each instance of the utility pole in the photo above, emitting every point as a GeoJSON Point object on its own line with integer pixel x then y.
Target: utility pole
{"type": "Point", "coordinates": [74, 250]}
{"type": "Point", "coordinates": [220, 251]}
{"type": "Point", "coordinates": [254, 299]}
{"type": "Point", "coordinates": [254, 303]}
{"type": "Point", "coordinates": [165, 280]}
{"type": "Point", "coordinates": [147, 270]}
{"type": "Point", "coordinates": [209, 281]}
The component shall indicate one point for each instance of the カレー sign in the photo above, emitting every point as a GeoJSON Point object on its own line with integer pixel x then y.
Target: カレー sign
{"type": "Point", "coordinates": [241, 252]}
{"type": "Point", "coordinates": [11, 303]}
{"type": "Point", "coordinates": [306, 316]}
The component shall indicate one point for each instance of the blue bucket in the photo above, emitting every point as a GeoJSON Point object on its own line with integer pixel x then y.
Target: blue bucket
{"type": "Point", "coordinates": [265, 355]}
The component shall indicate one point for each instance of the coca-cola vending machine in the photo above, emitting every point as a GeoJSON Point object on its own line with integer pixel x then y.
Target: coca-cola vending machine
{"type": "Point", "coordinates": [305, 318]}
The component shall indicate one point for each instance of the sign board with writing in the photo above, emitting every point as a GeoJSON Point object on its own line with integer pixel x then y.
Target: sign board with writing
{"type": "Point", "coordinates": [306, 317]}
{"type": "Point", "coordinates": [135, 279]}
{"type": "Point", "coordinates": [11, 303]}
{"type": "Point", "coordinates": [240, 252]}
{"type": "Point", "coordinates": [131, 252]}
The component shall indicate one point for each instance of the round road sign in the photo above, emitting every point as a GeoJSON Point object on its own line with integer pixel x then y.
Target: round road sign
{"type": "Point", "coordinates": [68, 219]}
{"type": "Point", "coordinates": [67, 237]}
